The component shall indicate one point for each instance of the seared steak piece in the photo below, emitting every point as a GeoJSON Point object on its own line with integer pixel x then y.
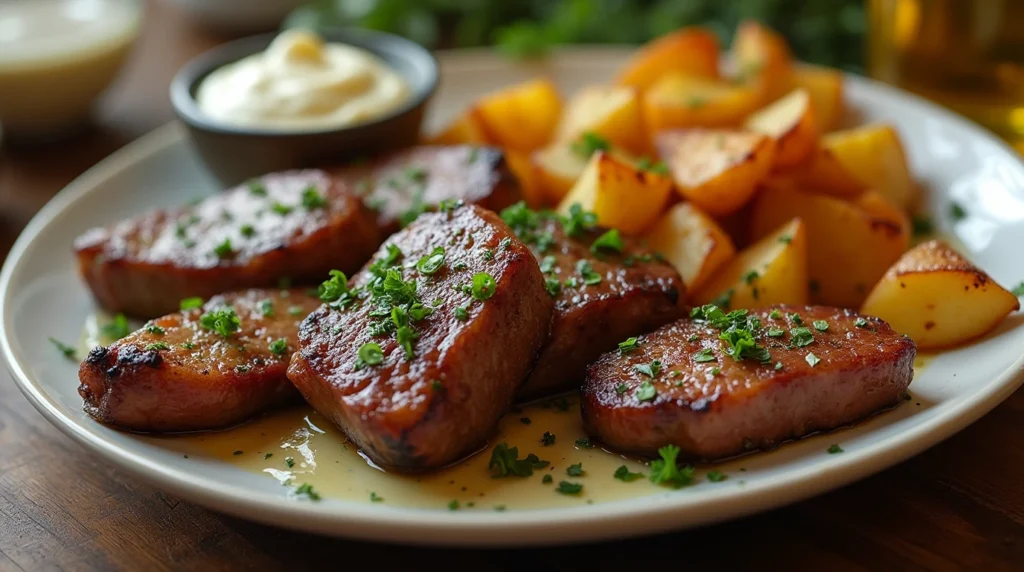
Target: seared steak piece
{"type": "Point", "coordinates": [606, 288]}
{"type": "Point", "coordinates": [417, 359]}
{"type": "Point", "coordinates": [814, 369]}
{"type": "Point", "coordinates": [203, 368]}
{"type": "Point", "coordinates": [402, 185]}
{"type": "Point", "coordinates": [295, 225]}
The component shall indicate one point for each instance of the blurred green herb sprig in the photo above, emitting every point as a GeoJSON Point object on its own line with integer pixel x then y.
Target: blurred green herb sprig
{"type": "Point", "coordinates": [828, 33]}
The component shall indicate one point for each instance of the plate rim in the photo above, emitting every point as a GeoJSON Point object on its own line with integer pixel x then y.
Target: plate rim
{"type": "Point", "coordinates": [614, 519]}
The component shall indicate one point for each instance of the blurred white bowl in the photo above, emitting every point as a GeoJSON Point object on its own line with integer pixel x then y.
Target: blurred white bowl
{"type": "Point", "coordinates": [238, 15]}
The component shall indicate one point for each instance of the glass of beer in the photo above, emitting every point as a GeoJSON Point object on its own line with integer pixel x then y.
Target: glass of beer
{"type": "Point", "coordinates": [967, 55]}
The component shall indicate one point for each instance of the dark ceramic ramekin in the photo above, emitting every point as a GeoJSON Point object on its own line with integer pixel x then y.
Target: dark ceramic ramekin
{"type": "Point", "coordinates": [234, 154]}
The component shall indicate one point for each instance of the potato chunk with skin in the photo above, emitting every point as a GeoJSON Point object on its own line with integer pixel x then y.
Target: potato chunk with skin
{"type": "Point", "coordinates": [677, 101]}
{"type": "Point", "coordinates": [762, 59]}
{"type": "Point", "coordinates": [693, 51]}
{"type": "Point", "coordinates": [717, 170]}
{"type": "Point", "coordinates": [850, 244]}
{"type": "Point", "coordinates": [938, 298]}
{"type": "Point", "coordinates": [611, 112]}
{"type": "Point", "coordinates": [622, 195]}
{"type": "Point", "coordinates": [770, 271]}
{"type": "Point", "coordinates": [464, 129]}
{"type": "Point", "coordinates": [822, 172]}
{"type": "Point", "coordinates": [825, 86]}
{"type": "Point", "coordinates": [790, 122]}
{"type": "Point", "coordinates": [521, 117]}
{"type": "Point", "coordinates": [522, 168]}
{"type": "Point", "coordinates": [874, 155]}
{"type": "Point", "coordinates": [692, 242]}
{"type": "Point", "coordinates": [557, 168]}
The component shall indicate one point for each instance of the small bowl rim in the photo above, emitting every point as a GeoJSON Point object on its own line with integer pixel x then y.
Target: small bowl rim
{"type": "Point", "coordinates": [198, 68]}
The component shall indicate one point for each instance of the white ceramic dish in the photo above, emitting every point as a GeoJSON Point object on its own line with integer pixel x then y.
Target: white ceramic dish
{"type": "Point", "coordinates": [42, 296]}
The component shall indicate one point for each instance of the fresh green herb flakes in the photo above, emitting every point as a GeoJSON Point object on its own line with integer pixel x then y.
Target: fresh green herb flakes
{"type": "Point", "coordinates": [505, 462]}
{"type": "Point", "coordinates": [191, 303]}
{"type": "Point", "coordinates": [68, 351]}
{"type": "Point", "coordinates": [483, 286]}
{"type": "Point", "coordinates": [610, 241]}
{"type": "Point", "coordinates": [623, 474]}
{"type": "Point", "coordinates": [222, 320]}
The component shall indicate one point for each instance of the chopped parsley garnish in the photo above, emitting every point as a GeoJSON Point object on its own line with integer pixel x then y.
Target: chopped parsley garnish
{"type": "Point", "coordinates": [751, 276]}
{"type": "Point", "coordinates": [590, 143]}
{"type": "Point", "coordinates": [312, 199]}
{"type": "Point", "coordinates": [223, 321]}
{"type": "Point", "coordinates": [775, 314]}
{"type": "Point", "coordinates": [547, 264]}
{"type": "Point", "coordinates": [737, 331]}
{"type": "Point", "coordinates": [656, 167]}
{"type": "Point", "coordinates": [155, 330]}
{"type": "Point", "coordinates": [621, 388]}
{"type": "Point", "coordinates": [567, 488]}
{"type": "Point", "coordinates": [812, 359]}
{"type": "Point", "coordinates": [646, 391]}
{"type": "Point", "coordinates": [666, 471]}
{"type": "Point", "coordinates": [795, 318]}
{"type": "Point", "coordinates": [431, 263]}
{"type": "Point", "coordinates": [256, 188]}
{"type": "Point", "coordinates": [921, 225]}
{"type": "Point", "coordinates": [306, 489]}
{"type": "Point", "coordinates": [279, 346]}
{"type": "Point", "coordinates": [266, 307]}
{"type": "Point", "coordinates": [860, 323]}
{"type": "Point", "coordinates": [188, 345]}
{"type": "Point", "coordinates": [574, 470]}
{"type": "Point", "coordinates": [778, 365]}
{"type": "Point", "coordinates": [956, 211]}
{"type": "Point", "coordinates": [609, 241]}
{"type": "Point", "coordinates": [785, 239]}
{"type": "Point", "coordinates": [281, 209]}
{"type": "Point", "coordinates": [820, 325]}
{"type": "Point", "coordinates": [267, 456]}
{"type": "Point", "coordinates": [740, 345]}
{"type": "Point", "coordinates": [714, 371]}
{"type": "Point", "coordinates": [627, 346]}
{"type": "Point", "coordinates": [801, 337]}
{"type": "Point", "coordinates": [704, 355]}
{"type": "Point", "coordinates": [583, 443]}
{"type": "Point", "coordinates": [488, 254]}
{"type": "Point", "coordinates": [224, 249]}
{"type": "Point", "coordinates": [375, 498]}
{"type": "Point", "coordinates": [1018, 290]}
{"type": "Point", "coordinates": [191, 303]}
{"type": "Point", "coordinates": [453, 504]}
{"type": "Point", "coordinates": [483, 286]}
{"type": "Point", "coordinates": [289, 462]}
{"type": "Point", "coordinates": [586, 271]}
{"type": "Point", "coordinates": [547, 479]}
{"type": "Point", "coordinates": [242, 368]}
{"type": "Point", "coordinates": [247, 230]}
{"type": "Point", "coordinates": [116, 329]}
{"type": "Point", "coordinates": [462, 313]}
{"type": "Point", "coordinates": [335, 288]}
{"type": "Point", "coordinates": [553, 286]}
{"type": "Point", "coordinates": [157, 346]}
{"type": "Point", "coordinates": [649, 369]}
{"type": "Point", "coordinates": [547, 438]}
{"type": "Point", "coordinates": [405, 336]}
{"type": "Point", "coordinates": [724, 300]}
{"type": "Point", "coordinates": [775, 332]}
{"type": "Point", "coordinates": [716, 476]}
{"type": "Point", "coordinates": [68, 351]}
{"type": "Point", "coordinates": [505, 462]}
{"type": "Point", "coordinates": [448, 206]}
{"type": "Point", "coordinates": [623, 474]}
{"type": "Point", "coordinates": [578, 221]}
{"type": "Point", "coordinates": [834, 448]}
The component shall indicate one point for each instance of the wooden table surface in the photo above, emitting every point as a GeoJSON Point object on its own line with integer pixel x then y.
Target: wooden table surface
{"type": "Point", "coordinates": [958, 506]}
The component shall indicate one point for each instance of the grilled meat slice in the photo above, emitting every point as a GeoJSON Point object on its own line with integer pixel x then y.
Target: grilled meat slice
{"type": "Point", "coordinates": [417, 360]}
{"type": "Point", "coordinates": [606, 288]}
{"type": "Point", "coordinates": [198, 369]}
{"type": "Point", "coordinates": [296, 225]}
{"type": "Point", "coordinates": [712, 405]}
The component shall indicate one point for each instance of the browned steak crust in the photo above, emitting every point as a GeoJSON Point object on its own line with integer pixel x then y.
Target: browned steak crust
{"type": "Point", "coordinates": [400, 186]}
{"type": "Point", "coordinates": [430, 407]}
{"type": "Point", "coordinates": [295, 225]}
{"type": "Point", "coordinates": [175, 374]}
{"type": "Point", "coordinates": [602, 296]}
{"type": "Point", "coordinates": [713, 406]}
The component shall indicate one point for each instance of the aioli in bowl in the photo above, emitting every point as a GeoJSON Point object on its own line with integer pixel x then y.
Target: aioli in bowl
{"type": "Point", "coordinates": [302, 83]}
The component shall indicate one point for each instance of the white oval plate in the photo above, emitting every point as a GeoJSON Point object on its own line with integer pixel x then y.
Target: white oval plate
{"type": "Point", "coordinates": [42, 296]}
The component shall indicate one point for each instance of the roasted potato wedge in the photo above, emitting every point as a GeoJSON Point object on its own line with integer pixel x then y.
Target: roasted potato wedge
{"type": "Point", "coordinates": [850, 246]}
{"type": "Point", "coordinates": [622, 195]}
{"type": "Point", "coordinates": [790, 122]}
{"type": "Point", "coordinates": [938, 298]}
{"type": "Point", "coordinates": [557, 168]}
{"type": "Point", "coordinates": [822, 172]}
{"type": "Point", "coordinates": [692, 242]}
{"type": "Point", "coordinates": [874, 155]}
{"type": "Point", "coordinates": [718, 170]}
{"type": "Point", "coordinates": [771, 271]}
{"type": "Point", "coordinates": [677, 101]}
{"type": "Point", "coordinates": [522, 168]}
{"type": "Point", "coordinates": [762, 60]}
{"type": "Point", "coordinates": [465, 129]}
{"type": "Point", "coordinates": [825, 86]}
{"type": "Point", "coordinates": [610, 111]}
{"type": "Point", "coordinates": [522, 117]}
{"type": "Point", "coordinates": [692, 51]}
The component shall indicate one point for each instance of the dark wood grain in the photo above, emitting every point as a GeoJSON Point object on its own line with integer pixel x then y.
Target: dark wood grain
{"type": "Point", "coordinates": [959, 506]}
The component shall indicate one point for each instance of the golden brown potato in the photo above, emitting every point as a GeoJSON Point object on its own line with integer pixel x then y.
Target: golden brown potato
{"type": "Point", "coordinates": [557, 168]}
{"type": "Point", "coordinates": [718, 170]}
{"type": "Point", "coordinates": [522, 168]}
{"type": "Point", "coordinates": [762, 60]}
{"type": "Point", "coordinates": [622, 195]}
{"type": "Point", "coordinates": [610, 112]}
{"type": "Point", "coordinates": [677, 101]}
{"type": "Point", "coordinates": [874, 155]}
{"type": "Point", "coordinates": [825, 86]}
{"type": "Point", "coordinates": [938, 298]}
{"type": "Point", "coordinates": [822, 172]}
{"type": "Point", "coordinates": [850, 244]}
{"type": "Point", "coordinates": [771, 271]}
{"type": "Point", "coordinates": [790, 122]}
{"type": "Point", "coordinates": [692, 51]}
{"type": "Point", "coordinates": [692, 242]}
{"type": "Point", "coordinates": [521, 117]}
{"type": "Point", "coordinates": [466, 129]}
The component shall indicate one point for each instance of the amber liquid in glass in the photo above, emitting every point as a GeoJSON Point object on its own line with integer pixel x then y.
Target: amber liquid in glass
{"type": "Point", "coordinates": [967, 55]}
